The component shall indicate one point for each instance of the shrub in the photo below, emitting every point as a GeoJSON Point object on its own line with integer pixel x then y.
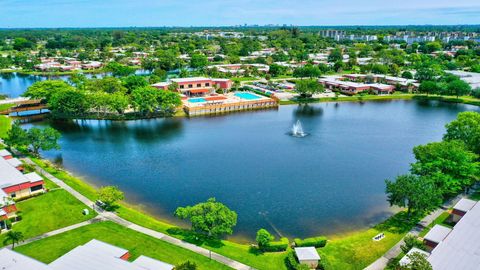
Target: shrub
{"type": "Point", "coordinates": [317, 242]}
{"type": "Point", "coordinates": [476, 92]}
{"type": "Point", "coordinates": [291, 261]}
{"type": "Point", "coordinates": [263, 238]}
{"type": "Point", "coordinates": [8, 224]}
{"type": "Point", "coordinates": [276, 246]}
{"type": "Point", "coordinates": [18, 218]}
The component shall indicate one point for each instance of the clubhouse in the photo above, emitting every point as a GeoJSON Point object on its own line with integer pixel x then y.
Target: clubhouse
{"type": "Point", "coordinates": [197, 86]}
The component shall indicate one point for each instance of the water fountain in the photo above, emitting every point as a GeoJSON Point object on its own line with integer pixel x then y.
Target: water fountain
{"type": "Point", "coordinates": [297, 130]}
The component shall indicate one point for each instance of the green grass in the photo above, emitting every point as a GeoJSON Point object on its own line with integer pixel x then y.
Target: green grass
{"type": "Point", "coordinates": [475, 196]}
{"type": "Point", "coordinates": [440, 220]}
{"type": "Point", "coordinates": [5, 123]}
{"type": "Point", "coordinates": [137, 244]}
{"type": "Point", "coordinates": [357, 250]}
{"type": "Point", "coordinates": [47, 212]}
{"type": "Point", "coordinates": [357, 98]}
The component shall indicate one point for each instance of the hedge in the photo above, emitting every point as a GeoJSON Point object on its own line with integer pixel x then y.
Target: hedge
{"type": "Point", "coordinates": [275, 246]}
{"type": "Point", "coordinates": [317, 242]}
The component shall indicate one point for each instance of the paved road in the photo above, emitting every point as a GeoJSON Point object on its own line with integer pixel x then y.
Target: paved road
{"type": "Point", "coordinates": [382, 262]}
{"type": "Point", "coordinates": [104, 215]}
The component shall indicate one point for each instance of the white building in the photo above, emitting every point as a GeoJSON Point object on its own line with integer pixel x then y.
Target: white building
{"type": "Point", "coordinates": [308, 256]}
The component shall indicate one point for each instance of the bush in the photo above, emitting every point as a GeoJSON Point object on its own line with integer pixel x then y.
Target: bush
{"type": "Point", "coordinates": [18, 218]}
{"type": "Point", "coordinates": [476, 92]}
{"type": "Point", "coordinates": [8, 224]}
{"type": "Point", "coordinates": [291, 261]}
{"type": "Point", "coordinates": [317, 242]}
{"type": "Point", "coordinates": [263, 238]}
{"type": "Point", "coordinates": [276, 246]}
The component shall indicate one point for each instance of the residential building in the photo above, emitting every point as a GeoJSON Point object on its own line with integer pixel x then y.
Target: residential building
{"type": "Point", "coordinates": [240, 68]}
{"type": "Point", "coordinates": [94, 255]}
{"type": "Point", "coordinates": [197, 86]}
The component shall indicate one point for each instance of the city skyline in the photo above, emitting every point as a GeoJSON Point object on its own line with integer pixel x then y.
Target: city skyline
{"type": "Point", "coordinates": [147, 13]}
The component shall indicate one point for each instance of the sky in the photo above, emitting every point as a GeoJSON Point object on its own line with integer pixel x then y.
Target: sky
{"type": "Point", "coordinates": [130, 13]}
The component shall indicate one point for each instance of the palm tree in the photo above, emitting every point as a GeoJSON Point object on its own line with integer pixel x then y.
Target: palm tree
{"type": "Point", "coordinates": [13, 237]}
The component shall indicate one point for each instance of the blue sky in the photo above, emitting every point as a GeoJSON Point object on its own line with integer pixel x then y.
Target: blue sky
{"type": "Point", "coordinates": [119, 13]}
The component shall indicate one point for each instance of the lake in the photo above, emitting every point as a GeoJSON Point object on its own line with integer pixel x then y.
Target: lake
{"type": "Point", "coordinates": [329, 182]}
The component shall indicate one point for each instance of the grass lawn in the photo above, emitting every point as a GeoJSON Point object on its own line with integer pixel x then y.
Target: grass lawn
{"type": "Point", "coordinates": [48, 212]}
{"type": "Point", "coordinates": [357, 250]}
{"type": "Point", "coordinates": [5, 123]}
{"type": "Point", "coordinates": [137, 243]}
{"type": "Point", "coordinates": [357, 98]}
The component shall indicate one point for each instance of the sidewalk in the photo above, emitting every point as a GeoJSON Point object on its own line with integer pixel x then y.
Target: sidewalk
{"type": "Point", "coordinates": [104, 215]}
{"type": "Point", "coordinates": [382, 262]}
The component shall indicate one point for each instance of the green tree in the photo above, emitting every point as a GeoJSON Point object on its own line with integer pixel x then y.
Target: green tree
{"type": "Point", "coordinates": [131, 82]}
{"type": "Point", "coordinates": [188, 265]}
{"type": "Point", "coordinates": [198, 60]}
{"type": "Point", "coordinates": [118, 102]}
{"type": "Point", "coordinates": [16, 136]}
{"type": "Point", "coordinates": [168, 101]}
{"type": "Point", "coordinates": [407, 75]}
{"type": "Point", "coordinates": [307, 88]}
{"type": "Point", "coordinates": [107, 84]}
{"type": "Point", "coordinates": [418, 194]}
{"type": "Point", "coordinates": [465, 128]}
{"type": "Point", "coordinates": [13, 237]}
{"type": "Point", "coordinates": [145, 99]}
{"type": "Point", "coordinates": [448, 164]}
{"type": "Point", "coordinates": [263, 238]}
{"type": "Point", "coordinates": [418, 261]}
{"type": "Point", "coordinates": [211, 217]}
{"type": "Point", "coordinates": [459, 88]}
{"type": "Point", "coordinates": [411, 241]}
{"type": "Point", "coordinates": [21, 43]}
{"type": "Point", "coordinates": [68, 103]}
{"type": "Point", "coordinates": [335, 56]}
{"type": "Point", "coordinates": [119, 70]}
{"type": "Point", "coordinates": [110, 195]}
{"type": "Point", "coordinates": [428, 87]}
{"type": "Point", "coordinates": [43, 139]}
{"type": "Point", "coordinates": [45, 89]}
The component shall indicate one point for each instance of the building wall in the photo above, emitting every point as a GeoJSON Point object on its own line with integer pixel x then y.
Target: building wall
{"type": "Point", "coordinates": [312, 264]}
{"type": "Point", "coordinates": [24, 193]}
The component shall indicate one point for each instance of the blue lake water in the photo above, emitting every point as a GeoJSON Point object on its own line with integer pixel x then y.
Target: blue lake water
{"type": "Point", "coordinates": [329, 182]}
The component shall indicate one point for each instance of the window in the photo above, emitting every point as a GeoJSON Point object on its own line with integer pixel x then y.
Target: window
{"type": "Point", "coordinates": [13, 195]}
{"type": "Point", "coordinates": [207, 84]}
{"type": "Point", "coordinates": [35, 188]}
{"type": "Point", "coordinates": [190, 85]}
{"type": "Point", "coordinates": [182, 86]}
{"type": "Point", "coordinates": [199, 85]}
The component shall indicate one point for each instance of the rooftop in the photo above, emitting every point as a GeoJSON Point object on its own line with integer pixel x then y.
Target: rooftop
{"type": "Point", "coordinates": [461, 248]}
{"type": "Point", "coordinates": [307, 254]}
{"type": "Point", "coordinates": [11, 260]}
{"type": "Point", "coordinates": [406, 260]}
{"type": "Point", "coordinates": [437, 234]}
{"type": "Point", "coordinates": [4, 153]}
{"type": "Point", "coordinates": [464, 205]}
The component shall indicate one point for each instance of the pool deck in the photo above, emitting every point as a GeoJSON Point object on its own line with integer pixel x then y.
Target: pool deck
{"type": "Point", "coordinates": [228, 103]}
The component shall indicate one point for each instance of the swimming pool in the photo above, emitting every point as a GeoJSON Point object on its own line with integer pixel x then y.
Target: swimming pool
{"type": "Point", "coordinates": [196, 100]}
{"type": "Point", "coordinates": [246, 95]}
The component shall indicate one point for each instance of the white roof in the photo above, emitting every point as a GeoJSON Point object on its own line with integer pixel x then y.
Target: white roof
{"type": "Point", "coordinates": [4, 153]}
{"type": "Point", "coordinates": [152, 264]}
{"type": "Point", "coordinates": [437, 233]}
{"type": "Point", "coordinates": [161, 84]}
{"type": "Point", "coordinates": [179, 80]}
{"type": "Point", "coordinates": [464, 205]}
{"type": "Point", "coordinates": [33, 177]}
{"type": "Point", "coordinates": [97, 255]}
{"type": "Point", "coordinates": [461, 248]}
{"type": "Point", "coordinates": [307, 254]}
{"type": "Point", "coordinates": [11, 260]}
{"type": "Point", "coordinates": [14, 162]}
{"type": "Point", "coordinates": [9, 175]}
{"type": "Point", "coordinates": [406, 260]}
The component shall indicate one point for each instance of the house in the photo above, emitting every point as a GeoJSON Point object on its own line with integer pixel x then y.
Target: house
{"type": "Point", "coordinates": [459, 249]}
{"type": "Point", "coordinates": [16, 185]}
{"type": "Point", "coordinates": [5, 154]}
{"type": "Point", "coordinates": [461, 208]}
{"type": "Point", "coordinates": [94, 255]}
{"type": "Point", "coordinates": [197, 86]}
{"type": "Point", "coordinates": [435, 236]}
{"type": "Point", "coordinates": [382, 89]}
{"type": "Point", "coordinates": [308, 256]}
{"type": "Point", "coordinates": [240, 68]}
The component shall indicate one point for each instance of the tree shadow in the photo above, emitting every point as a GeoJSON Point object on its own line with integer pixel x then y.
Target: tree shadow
{"type": "Point", "coordinates": [399, 223]}
{"type": "Point", "coordinates": [195, 238]}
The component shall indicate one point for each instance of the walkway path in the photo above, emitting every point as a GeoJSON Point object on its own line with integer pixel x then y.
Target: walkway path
{"type": "Point", "coordinates": [115, 218]}
{"type": "Point", "coordinates": [13, 100]}
{"type": "Point", "coordinates": [382, 262]}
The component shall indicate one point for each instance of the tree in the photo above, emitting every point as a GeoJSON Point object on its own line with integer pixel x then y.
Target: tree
{"type": "Point", "coordinates": [309, 70]}
{"type": "Point", "coordinates": [188, 265]}
{"type": "Point", "coordinates": [119, 70]}
{"type": "Point", "coordinates": [335, 56]}
{"type": "Point", "coordinates": [418, 261]}
{"type": "Point", "coordinates": [211, 217]}
{"type": "Point", "coordinates": [13, 237]}
{"type": "Point", "coordinates": [68, 103]}
{"type": "Point", "coordinates": [465, 128]}
{"type": "Point", "coordinates": [411, 241]}
{"type": "Point", "coordinates": [45, 89]}
{"type": "Point", "coordinates": [107, 84]}
{"type": "Point", "coordinates": [110, 195]}
{"type": "Point", "coordinates": [407, 75]}
{"type": "Point", "coordinates": [20, 44]}
{"type": "Point", "coordinates": [459, 88]}
{"type": "Point", "coordinates": [276, 70]}
{"type": "Point", "coordinates": [307, 88]}
{"type": "Point", "coordinates": [263, 238]}
{"type": "Point", "coordinates": [145, 99]}
{"type": "Point", "coordinates": [198, 60]}
{"type": "Point", "coordinates": [131, 82]}
{"type": "Point", "coordinates": [168, 101]}
{"type": "Point", "coordinates": [448, 164]}
{"type": "Point", "coordinates": [44, 139]}
{"type": "Point", "coordinates": [414, 192]}
{"type": "Point", "coordinates": [428, 87]}
{"type": "Point", "coordinates": [16, 136]}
